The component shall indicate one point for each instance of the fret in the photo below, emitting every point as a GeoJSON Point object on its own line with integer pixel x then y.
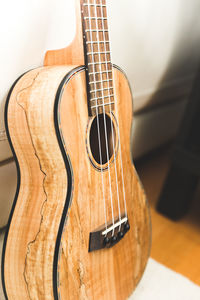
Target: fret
{"type": "Point", "coordinates": [101, 103]}
{"type": "Point", "coordinates": [102, 109]}
{"type": "Point", "coordinates": [93, 4]}
{"type": "Point", "coordinates": [102, 72]}
{"type": "Point", "coordinates": [102, 52]}
{"type": "Point", "coordinates": [99, 63]}
{"type": "Point", "coordinates": [97, 47]}
{"type": "Point", "coordinates": [96, 30]}
{"type": "Point", "coordinates": [98, 98]}
{"type": "Point", "coordinates": [100, 81]}
{"type": "Point", "coordinates": [94, 18]}
{"type": "Point", "coordinates": [98, 42]}
{"type": "Point", "coordinates": [101, 90]}
{"type": "Point", "coordinates": [104, 104]}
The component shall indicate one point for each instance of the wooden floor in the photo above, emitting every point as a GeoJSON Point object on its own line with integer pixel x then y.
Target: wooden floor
{"type": "Point", "coordinates": [174, 244]}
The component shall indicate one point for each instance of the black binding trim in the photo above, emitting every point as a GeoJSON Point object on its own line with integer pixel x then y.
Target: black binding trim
{"type": "Point", "coordinates": [17, 189]}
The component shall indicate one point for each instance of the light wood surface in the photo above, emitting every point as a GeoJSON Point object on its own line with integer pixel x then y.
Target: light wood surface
{"type": "Point", "coordinates": [72, 54]}
{"type": "Point", "coordinates": [35, 222]}
{"type": "Point", "coordinates": [104, 274]}
{"type": "Point", "coordinates": [174, 244]}
{"type": "Point", "coordinates": [92, 275]}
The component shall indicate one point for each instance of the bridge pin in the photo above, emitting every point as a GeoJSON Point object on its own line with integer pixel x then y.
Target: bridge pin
{"type": "Point", "coordinates": [114, 239]}
{"type": "Point", "coordinates": [120, 234]}
{"type": "Point", "coordinates": [126, 227]}
{"type": "Point", "coordinates": [106, 240]}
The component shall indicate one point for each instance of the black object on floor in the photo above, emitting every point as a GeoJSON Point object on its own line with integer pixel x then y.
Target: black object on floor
{"type": "Point", "coordinates": [183, 177]}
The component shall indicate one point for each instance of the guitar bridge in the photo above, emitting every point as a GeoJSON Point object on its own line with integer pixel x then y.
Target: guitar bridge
{"type": "Point", "coordinates": [108, 237]}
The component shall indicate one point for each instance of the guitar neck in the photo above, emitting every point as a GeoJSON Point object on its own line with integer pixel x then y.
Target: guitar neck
{"type": "Point", "coordinates": [97, 54]}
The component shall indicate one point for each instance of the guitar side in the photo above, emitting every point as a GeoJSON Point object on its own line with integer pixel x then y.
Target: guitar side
{"type": "Point", "coordinates": [42, 182]}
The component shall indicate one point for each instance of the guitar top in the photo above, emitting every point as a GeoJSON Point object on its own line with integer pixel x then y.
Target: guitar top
{"type": "Point", "coordinates": [80, 226]}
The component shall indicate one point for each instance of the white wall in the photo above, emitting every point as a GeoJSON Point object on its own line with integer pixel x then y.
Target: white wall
{"type": "Point", "coordinates": [162, 44]}
{"type": "Point", "coordinates": [155, 41]}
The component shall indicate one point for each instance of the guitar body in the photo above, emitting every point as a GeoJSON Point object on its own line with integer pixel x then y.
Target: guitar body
{"type": "Point", "coordinates": [80, 224]}
{"type": "Point", "coordinates": [59, 199]}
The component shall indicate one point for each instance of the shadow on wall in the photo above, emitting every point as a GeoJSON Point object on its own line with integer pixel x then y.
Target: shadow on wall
{"type": "Point", "coordinates": [8, 184]}
{"type": "Point", "coordinates": [184, 59]}
{"type": "Point", "coordinates": [167, 102]}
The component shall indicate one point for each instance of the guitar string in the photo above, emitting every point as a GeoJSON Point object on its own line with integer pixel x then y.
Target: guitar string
{"type": "Point", "coordinates": [120, 149]}
{"type": "Point", "coordinates": [104, 117]}
{"type": "Point", "coordinates": [98, 128]}
{"type": "Point", "coordinates": [111, 123]}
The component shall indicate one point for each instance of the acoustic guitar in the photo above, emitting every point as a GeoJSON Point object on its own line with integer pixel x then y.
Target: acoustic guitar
{"type": "Point", "coordinates": [80, 225]}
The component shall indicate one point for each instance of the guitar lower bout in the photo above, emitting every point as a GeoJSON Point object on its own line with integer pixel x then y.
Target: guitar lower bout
{"type": "Point", "coordinates": [66, 192]}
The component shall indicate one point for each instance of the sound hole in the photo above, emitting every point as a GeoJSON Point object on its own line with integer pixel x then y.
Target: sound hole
{"type": "Point", "coordinates": [104, 135]}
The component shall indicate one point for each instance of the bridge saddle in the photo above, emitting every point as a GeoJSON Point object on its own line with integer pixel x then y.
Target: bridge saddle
{"type": "Point", "coordinates": [108, 237]}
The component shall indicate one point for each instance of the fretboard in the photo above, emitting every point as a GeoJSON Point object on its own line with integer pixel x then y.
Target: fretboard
{"type": "Point", "coordinates": [97, 56]}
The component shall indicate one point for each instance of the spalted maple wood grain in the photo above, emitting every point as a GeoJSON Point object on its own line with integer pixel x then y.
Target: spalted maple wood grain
{"type": "Point", "coordinates": [33, 230]}
{"type": "Point", "coordinates": [110, 273]}
{"type": "Point", "coordinates": [105, 274]}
